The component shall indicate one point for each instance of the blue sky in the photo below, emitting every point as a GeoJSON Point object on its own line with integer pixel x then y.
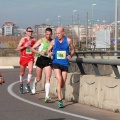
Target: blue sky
{"type": "Point", "coordinates": [26, 13]}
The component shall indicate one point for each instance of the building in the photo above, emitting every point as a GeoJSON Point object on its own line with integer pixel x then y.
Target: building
{"type": "Point", "coordinates": [9, 28]}
{"type": "Point", "coordinates": [40, 30]}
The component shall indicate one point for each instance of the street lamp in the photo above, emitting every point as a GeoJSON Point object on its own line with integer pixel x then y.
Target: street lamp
{"type": "Point", "coordinates": [116, 25]}
{"type": "Point", "coordinates": [92, 22]}
{"type": "Point", "coordinates": [73, 23]}
{"type": "Point", "coordinates": [59, 20]}
{"type": "Point", "coordinates": [47, 21]}
{"type": "Point", "coordinates": [73, 16]}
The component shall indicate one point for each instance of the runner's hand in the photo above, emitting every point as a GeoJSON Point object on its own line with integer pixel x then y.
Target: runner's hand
{"type": "Point", "coordinates": [26, 44]}
{"type": "Point", "coordinates": [1, 80]}
{"type": "Point", "coordinates": [50, 54]}
{"type": "Point", "coordinates": [42, 53]}
{"type": "Point", "coordinates": [69, 57]}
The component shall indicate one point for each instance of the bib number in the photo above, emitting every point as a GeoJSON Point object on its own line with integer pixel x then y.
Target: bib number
{"type": "Point", "coordinates": [28, 51]}
{"type": "Point", "coordinates": [61, 54]}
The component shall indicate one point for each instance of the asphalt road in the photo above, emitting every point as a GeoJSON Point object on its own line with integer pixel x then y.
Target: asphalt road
{"type": "Point", "coordinates": [16, 106]}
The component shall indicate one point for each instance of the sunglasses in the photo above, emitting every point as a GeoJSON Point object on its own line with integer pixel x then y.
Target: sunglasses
{"type": "Point", "coordinates": [29, 31]}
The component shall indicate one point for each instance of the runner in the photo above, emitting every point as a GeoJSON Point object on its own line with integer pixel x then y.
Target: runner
{"type": "Point", "coordinates": [43, 62]}
{"type": "Point", "coordinates": [26, 58]}
{"type": "Point", "coordinates": [61, 57]}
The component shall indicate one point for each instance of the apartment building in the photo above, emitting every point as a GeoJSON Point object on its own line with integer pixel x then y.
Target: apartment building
{"type": "Point", "coordinates": [9, 28]}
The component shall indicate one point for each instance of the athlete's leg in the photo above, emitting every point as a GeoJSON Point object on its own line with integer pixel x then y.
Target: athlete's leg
{"type": "Point", "coordinates": [58, 76]}
{"type": "Point", "coordinates": [48, 72]}
{"type": "Point", "coordinates": [38, 74]}
{"type": "Point", "coordinates": [30, 70]}
{"type": "Point", "coordinates": [64, 77]}
{"type": "Point", "coordinates": [22, 71]}
{"type": "Point", "coordinates": [37, 79]}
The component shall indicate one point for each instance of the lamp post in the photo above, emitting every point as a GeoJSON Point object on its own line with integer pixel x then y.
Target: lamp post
{"type": "Point", "coordinates": [47, 21]}
{"type": "Point", "coordinates": [87, 31]}
{"type": "Point", "coordinates": [59, 20]}
{"type": "Point", "coordinates": [73, 21]}
{"type": "Point", "coordinates": [92, 22]}
{"type": "Point", "coordinates": [116, 24]}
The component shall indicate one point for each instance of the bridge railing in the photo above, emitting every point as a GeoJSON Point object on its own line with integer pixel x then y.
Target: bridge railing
{"type": "Point", "coordinates": [114, 63]}
{"type": "Point", "coordinates": [99, 53]}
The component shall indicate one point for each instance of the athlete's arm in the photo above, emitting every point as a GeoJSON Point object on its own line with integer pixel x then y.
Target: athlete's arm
{"type": "Point", "coordinates": [33, 48]}
{"type": "Point", "coordinates": [20, 47]}
{"type": "Point", "coordinates": [50, 48]}
{"type": "Point", "coordinates": [72, 48]}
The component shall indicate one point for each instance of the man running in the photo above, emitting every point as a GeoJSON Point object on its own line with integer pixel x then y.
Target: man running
{"type": "Point", "coordinates": [26, 58]}
{"type": "Point", "coordinates": [43, 62]}
{"type": "Point", "coordinates": [61, 57]}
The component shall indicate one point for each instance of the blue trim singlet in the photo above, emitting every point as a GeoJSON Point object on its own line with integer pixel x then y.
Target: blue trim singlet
{"type": "Point", "coordinates": [60, 52]}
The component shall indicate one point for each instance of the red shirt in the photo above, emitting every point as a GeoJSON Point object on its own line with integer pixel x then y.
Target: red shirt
{"type": "Point", "coordinates": [26, 52]}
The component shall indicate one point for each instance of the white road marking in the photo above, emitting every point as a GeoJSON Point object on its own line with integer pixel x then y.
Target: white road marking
{"type": "Point", "coordinates": [41, 106]}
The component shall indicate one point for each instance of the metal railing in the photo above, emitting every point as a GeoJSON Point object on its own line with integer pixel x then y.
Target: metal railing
{"type": "Point", "coordinates": [95, 62]}
{"type": "Point", "coordinates": [99, 53]}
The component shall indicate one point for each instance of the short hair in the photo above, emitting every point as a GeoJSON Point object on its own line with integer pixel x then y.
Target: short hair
{"type": "Point", "coordinates": [48, 29]}
{"type": "Point", "coordinates": [28, 28]}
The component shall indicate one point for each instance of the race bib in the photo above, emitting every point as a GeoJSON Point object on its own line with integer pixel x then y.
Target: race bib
{"type": "Point", "coordinates": [28, 51]}
{"type": "Point", "coordinates": [61, 54]}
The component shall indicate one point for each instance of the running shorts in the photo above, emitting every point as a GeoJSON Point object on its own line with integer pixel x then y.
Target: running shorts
{"type": "Point", "coordinates": [25, 60]}
{"type": "Point", "coordinates": [42, 62]}
{"type": "Point", "coordinates": [60, 67]}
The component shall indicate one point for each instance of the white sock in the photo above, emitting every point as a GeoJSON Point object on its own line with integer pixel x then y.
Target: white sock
{"type": "Point", "coordinates": [35, 80]}
{"type": "Point", "coordinates": [21, 79]}
{"type": "Point", "coordinates": [47, 89]}
{"type": "Point", "coordinates": [29, 77]}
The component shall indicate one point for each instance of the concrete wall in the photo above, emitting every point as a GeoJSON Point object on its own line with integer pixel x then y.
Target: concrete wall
{"type": "Point", "coordinates": [9, 61]}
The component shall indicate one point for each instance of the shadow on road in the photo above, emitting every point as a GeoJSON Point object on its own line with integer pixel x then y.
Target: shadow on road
{"type": "Point", "coordinates": [56, 119]}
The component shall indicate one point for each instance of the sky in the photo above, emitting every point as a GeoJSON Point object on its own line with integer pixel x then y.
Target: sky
{"type": "Point", "coordinates": [26, 13]}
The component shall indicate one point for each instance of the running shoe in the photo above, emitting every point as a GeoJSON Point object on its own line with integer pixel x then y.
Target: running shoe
{"type": "Point", "coordinates": [34, 88]}
{"type": "Point", "coordinates": [60, 104]}
{"type": "Point", "coordinates": [27, 87]}
{"type": "Point", "coordinates": [21, 88]}
{"type": "Point", "coordinates": [47, 99]}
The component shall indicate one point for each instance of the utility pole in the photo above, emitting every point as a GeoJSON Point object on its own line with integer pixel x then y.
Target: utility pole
{"type": "Point", "coordinates": [87, 31]}
{"type": "Point", "coordinates": [116, 25]}
{"type": "Point", "coordinates": [79, 31]}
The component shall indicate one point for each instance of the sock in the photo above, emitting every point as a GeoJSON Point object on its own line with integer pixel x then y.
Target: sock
{"type": "Point", "coordinates": [29, 78]}
{"type": "Point", "coordinates": [60, 100]}
{"type": "Point", "coordinates": [47, 89]}
{"type": "Point", "coordinates": [35, 80]}
{"type": "Point", "coordinates": [21, 79]}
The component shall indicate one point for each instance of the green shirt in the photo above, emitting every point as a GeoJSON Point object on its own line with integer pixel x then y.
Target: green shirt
{"type": "Point", "coordinates": [43, 47]}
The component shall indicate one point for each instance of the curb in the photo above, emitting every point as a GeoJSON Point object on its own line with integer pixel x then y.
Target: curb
{"type": "Point", "coordinates": [12, 67]}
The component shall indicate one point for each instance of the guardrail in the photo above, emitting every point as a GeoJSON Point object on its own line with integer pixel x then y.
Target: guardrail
{"type": "Point", "coordinates": [101, 53]}
{"type": "Point", "coordinates": [95, 62]}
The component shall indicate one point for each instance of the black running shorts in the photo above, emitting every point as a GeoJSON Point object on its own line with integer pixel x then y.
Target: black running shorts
{"type": "Point", "coordinates": [61, 67]}
{"type": "Point", "coordinates": [42, 62]}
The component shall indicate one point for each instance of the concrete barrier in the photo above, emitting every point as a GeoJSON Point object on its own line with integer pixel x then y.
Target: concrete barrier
{"type": "Point", "coordinates": [9, 61]}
